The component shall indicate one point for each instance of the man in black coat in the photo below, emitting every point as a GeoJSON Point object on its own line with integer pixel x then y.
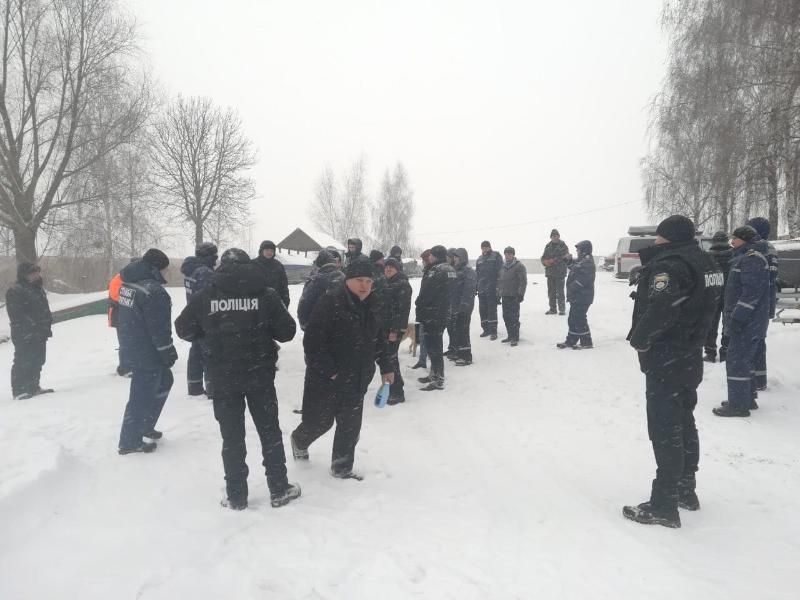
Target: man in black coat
{"type": "Point", "coordinates": [354, 247]}
{"type": "Point", "coordinates": [145, 333]}
{"type": "Point", "coordinates": [197, 271]}
{"type": "Point", "coordinates": [343, 341]}
{"type": "Point", "coordinates": [30, 320]}
{"type": "Point", "coordinates": [397, 306]}
{"type": "Point", "coordinates": [433, 312]}
{"type": "Point", "coordinates": [328, 274]}
{"type": "Point", "coordinates": [462, 306]}
{"type": "Point", "coordinates": [555, 258]}
{"type": "Point", "coordinates": [488, 268]}
{"type": "Point", "coordinates": [678, 292]}
{"type": "Point", "coordinates": [722, 253]}
{"type": "Point", "coordinates": [378, 283]}
{"type": "Point", "coordinates": [273, 269]}
{"type": "Point", "coordinates": [580, 295]}
{"type": "Point", "coordinates": [240, 318]}
{"type": "Point", "coordinates": [397, 253]}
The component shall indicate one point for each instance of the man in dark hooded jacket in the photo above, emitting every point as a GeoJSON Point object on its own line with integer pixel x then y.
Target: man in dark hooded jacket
{"type": "Point", "coordinates": [554, 259]}
{"type": "Point", "coordinates": [197, 271]}
{"type": "Point", "coordinates": [488, 268]}
{"type": "Point", "coordinates": [145, 332]}
{"type": "Point", "coordinates": [763, 228]}
{"type": "Point", "coordinates": [343, 341]}
{"type": "Point", "coordinates": [462, 306]}
{"type": "Point", "coordinates": [580, 295]}
{"type": "Point", "coordinates": [354, 246]}
{"type": "Point", "coordinates": [397, 253]}
{"type": "Point", "coordinates": [745, 319]}
{"type": "Point", "coordinates": [327, 276]}
{"type": "Point", "coordinates": [433, 312]}
{"type": "Point", "coordinates": [30, 320]}
{"type": "Point", "coordinates": [397, 306]}
{"type": "Point", "coordinates": [722, 253]}
{"type": "Point", "coordinates": [273, 269]}
{"type": "Point", "coordinates": [240, 318]}
{"type": "Point", "coordinates": [677, 293]}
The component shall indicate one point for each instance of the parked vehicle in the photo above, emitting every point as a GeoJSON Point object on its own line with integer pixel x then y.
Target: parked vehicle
{"type": "Point", "coordinates": [788, 263]}
{"type": "Point", "coordinates": [638, 238]}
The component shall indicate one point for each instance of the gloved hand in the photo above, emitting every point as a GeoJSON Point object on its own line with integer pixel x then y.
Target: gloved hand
{"type": "Point", "coordinates": [169, 355]}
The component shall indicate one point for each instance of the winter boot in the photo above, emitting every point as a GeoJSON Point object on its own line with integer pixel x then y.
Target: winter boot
{"type": "Point", "coordinates": [38, 391]}
{"type": "Point", "coordinates": [145, 447]}
{"type": "Point", "coordinates": [753, 404]}
{"type": "Point", "coordinates": [687, 497]}
{"type": "Point", "coordinates": [297, 452]}
{"type": "Point", "coordinates": [562, 345]}
{"type": "Point", "coordinates": [233, 504]}
{"type": "Point", "coordinates": [552, 311]}
{"type": "Point", "coordinates": [648, 514]}
{"type": "Point", "coordinates": [278, 499]}
{"type": "Point", "coordinates": [514, 343]}
{"type": "Point", "coordinates": [463, 362]}
{"type": "Point", "coordinates": [710, 357]}
{"type": "Point", "coordinates": [427, 379]}
{"type": "Point", "coordinates": [419, 365]}
{"type": "Point", "coordinates": [726, 410]}
{"type": "Point", "coordinates": [561, 313]}
{"type": "Point", "coordinates": [486, 334]}
{"type": "Point", "coordinates": [493, 337]}
{"type": "Point", "coordinates": [396, 399]}
{"type": "Point", "coordinates": [436, 383]}
{"type": "Point", "coordinates": [153, 435]}
{"type": "Point", "coordinates": [349, 474]}
{"type": "Point", "coordinates": [23, 396]}
{"type": "Point", "coordinates": [506, 340]}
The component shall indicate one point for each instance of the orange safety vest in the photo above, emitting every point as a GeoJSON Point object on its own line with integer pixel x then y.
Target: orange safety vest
{"type": "Point", "coordinates": [113, 297]}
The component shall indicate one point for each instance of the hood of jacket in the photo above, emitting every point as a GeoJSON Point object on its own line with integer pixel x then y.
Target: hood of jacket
{"type": "Point", "coordinates": [24, 269]}
{"type": "Point", "coordinates": [239, 278]}
{"type": "Point", "coordinates": [192, 263]}
{"type": "Point", "coordinates": [463, 257]}
{"type": "Point", "coordinates": [757, 244]}
{"type": "Point", "coordinates": [141, 271]}
{"type": "Point", "coordinates": [357, 243]}
{"type": "Point", "coordinates": [649, 253]}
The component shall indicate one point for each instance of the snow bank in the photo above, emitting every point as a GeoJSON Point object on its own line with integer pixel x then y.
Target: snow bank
{"type": "Point", "coordinates": [508, 485]}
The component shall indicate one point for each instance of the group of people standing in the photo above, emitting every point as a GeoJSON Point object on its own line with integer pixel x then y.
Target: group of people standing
{"type": "Point", "coordinates": [354, 311]}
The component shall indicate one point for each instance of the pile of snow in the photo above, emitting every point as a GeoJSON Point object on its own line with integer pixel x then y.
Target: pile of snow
{"type": "Point", "coordinates": [509, 484]}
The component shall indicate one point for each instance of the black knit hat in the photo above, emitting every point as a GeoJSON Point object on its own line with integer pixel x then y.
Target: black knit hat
{"type": "Point", "coordinates": [555, 232]}
{"type": "Point", "coordinates": [745, 233]}
{"type": "Point", "coordinates": [235, 255]}
{"type": "Point", "coordinates": [156, 258]}
{"type": "Point", "coordinates": [359, 268]}
{"type": "Point", "coordinates": [510, 250]}
{"type": "Point", "coordinates": [761, 225]}
{"type": "Point", "coordinates": [324, 258]}
{"type": "Point", "coordinates": [26, 268]}
{"type": "Point", "coordinates": [205, 249]}
{"type": "Point", "coordinates": [720, 236]}
{"type": "Point", "coordinates": [396, 251]}
{"type": "Point", "coordinates": [375, 255]}
{"type": "Point", "coordinates": [266, 244]}
{"type": "Point", "coordinates": [394, 263]}
{"type": "Point", "coordinates": [676, 228]}
{"type": "Point", "coordinates": [439, 252]}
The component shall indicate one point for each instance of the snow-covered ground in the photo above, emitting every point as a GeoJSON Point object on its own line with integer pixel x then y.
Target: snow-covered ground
{"type": "Point", "coordinates": [508, 485]}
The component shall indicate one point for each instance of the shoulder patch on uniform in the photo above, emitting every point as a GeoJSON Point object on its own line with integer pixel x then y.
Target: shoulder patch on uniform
{"type": "Point", "coordinates": [660, 282]}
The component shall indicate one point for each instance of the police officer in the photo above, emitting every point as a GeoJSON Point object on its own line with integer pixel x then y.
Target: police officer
{"type": "Point", "coordinates": [145, 333]}
{"type": "Point", "coordinates": [462, 306]}
{"type": "Point", "coordinates": [240, 318]}
{"type": "Point", "coordinates": [677, 293]}
{"type": "Point", "coordinates": [30, 320]}
{"type": "Point", "coordinates": [328, 274]}
{"type": "Point", "coordinates": [488, 267]}
{"type": "Point", "coordinates": [580, 295]}
{"type": "Point", "coordinates": [745, 319]}
{"type": "Point", "coordinates": [433, 312]}
{"type": "Point", "coordinates": [343, 341]}
{"type": "Point", "coordinates": [722, 253]}
{"type": "Point", "coordinates": [197, 271]}
{"type": "Point", "coordinates": [273, 269]}
{"type": "Point", "coordinates": [397, 306]}
{"type": "Point", "coordinates": [763, 228]}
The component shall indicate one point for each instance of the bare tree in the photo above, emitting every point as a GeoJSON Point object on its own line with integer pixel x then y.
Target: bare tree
{"type": "Point", "coordinates": [200, 153]}
{"type": "Point", "coordinates": [325, 210]}
{"type": "Point", "coordinates": [394, 210]}
{"type": "Point", "coordinates": [60, 62]}
{"type": "Point", "coordinates": [342, 212]}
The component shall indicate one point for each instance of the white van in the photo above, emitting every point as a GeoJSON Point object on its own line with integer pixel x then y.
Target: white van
{"type": "Point", "coordinates": [639, 237]}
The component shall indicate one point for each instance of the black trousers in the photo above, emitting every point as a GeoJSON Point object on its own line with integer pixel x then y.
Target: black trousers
{"type": "Point", "coordinates": [229, 412]}
{"type": "Point", "coordinates": [463, 347]}
{"type": "Point", "coordinates": [29, 358]}
{"type": "Point", "coordinates": [578, 325]}
{"type": "Point", "coordinates": [197, 370]}
{"type": "Point", "coordinates": [392, 349]}
{"type": "Point", "coordinates": [323, 405]}
{"type": "Point", "coordinates": [555, 292]}
{"type": "Point", "coordinates": [711, 339]}
{"type": "Point", "coordinates": [435, 344]}
{"type": "Point", "coordinates": [148, 394]}
{"type": "Point", "coordinates": [487, 308]}
{"type": "Point", "coordinates": [511, 316]}
{"type": "Point", "coordinates": [672, 431]}
{"type": "Point", "coordinates": [451, 335]}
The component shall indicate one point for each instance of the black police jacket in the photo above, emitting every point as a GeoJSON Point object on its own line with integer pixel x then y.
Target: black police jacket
{"type": "Point", "coordinates": [488, 267]}
{"type": "Point", "coordinates": [239, 318]}
{"type": "Point", "coordinates": [344, 339]}
{"type": "Point", "coordinates": [677, 295]}
{"type": "Point", "coordinates": [580, 281]}
{"type": "Point", "coordinates": [433, 300]}
{"type": "Point", "coordinates": [28, 312]}
{"type": "Point", "coordinates": [397, 303]}
{"type": "Point", "coordinates": [276, 276]}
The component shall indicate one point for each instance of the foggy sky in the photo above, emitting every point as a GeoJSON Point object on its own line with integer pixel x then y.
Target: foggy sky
{"type": "Point", "coordinates": [505, 114]}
